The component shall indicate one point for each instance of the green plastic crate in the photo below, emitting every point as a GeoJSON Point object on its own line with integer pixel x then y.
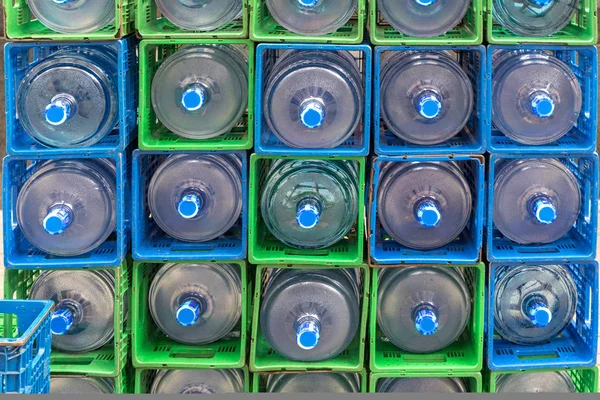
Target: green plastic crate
{"type": "Point", "coordinates": [153, 135]}
{"type": "Point", "coordinates": [153, 349]}
{"type": "Point", "coordinates": [585, 379]}
{"type": "Point", "coordinates": [468, 32]}
{"type": "Point", "coordinates": [464, 355]}
{"type": "Point", "coordinates": [144, 377]}
{"type": "Point", "coordinates": [21, 24]}
{"type": "Point", "coordinates": [264, 248]}
{"type": "Point", "coordinates": [263, 357]}
{"type": "Point", "coordinates": [151, 24]}
{"type": "Point", "coordinates": [473, 379]}
{"type": "Point", "coordinates": [259, 381]}
{"type": "Point", "coordinates": [582, 30]}
{"type": "Point", "coordinates": [107, 361]}
{"type": "Point", "coordinates": [264, 28]}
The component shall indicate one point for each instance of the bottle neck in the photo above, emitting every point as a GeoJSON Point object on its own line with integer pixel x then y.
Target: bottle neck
{"type": "Point", "coordinates": [427, 213]}
{"type": "Point", "coordinates": [308, 213]}
{"type": "Point", "coordinates": [312, 113]}
{"type": "Point", "coordinates": [189, 311]}
{"type": "Point", "coordinates": [426, 319]}
{"type": "Point", "coordinates": [308, 332]}
{"type": "Point", "coordinates": [543, 209]}
{"type": "Point", "coordinates": [195, 97]}
{"type": "Point", "coordinates": [190, 203]}
{"type": "Point", "coordinates": [536, 308]}
{"type": "Point", "coordinates": [62, 107]}
{"type": "Point", "coordinates": [67, 315]}
{"type": "Point", "coordinates": [58, 219]}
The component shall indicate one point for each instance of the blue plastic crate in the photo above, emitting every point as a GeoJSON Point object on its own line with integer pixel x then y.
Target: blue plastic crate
{"type": "Point", "coordinates": [575, 347]}
{"type": "Point", "coordinates": [25, 344]}
{"type": "Point", "coordinates": [471, 140]}
{"type": "Point", "coordinates": [578, 245]}
{"type": "Point", "coordinates": [20, 57]}
{"type": "Point", "coordinates": [20, 253]}
{"type": "Point", "coordinates": [150, 243]}
{"type": "Point", "coordinates": [466, 249]}
{"type": "Point", "coordinates": [265, 142]}
{"type": "Point", "coordinates": [583, 61]}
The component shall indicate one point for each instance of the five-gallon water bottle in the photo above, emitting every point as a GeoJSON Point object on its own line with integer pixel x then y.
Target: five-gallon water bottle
{"type": "Point", "coordinates": [326, 382]}
{"type": "Point", "coordinates": [536, 382]}
{"type": "Point", "coordinates": [201, 91]}
{"type": "Point", "coordinates": [534, 17]}
{"type": "Point", "coordinates": [196, 303]}
{"type": "Point", "coordinates": [67, 207]}
{"type": "Point", "coordinates": [83, 318]}
{"type": "Point", "coordinates": [422, 309]}
{"type": "Point", "coordinates": [423, 18]}
{"type": "Point", "coordinates": [535, 200]}
{"type": "Point", "coordinates": [200, 15]}
{"type": "Point", "coordinates": [423, 205]}
{"type": "Point", "coordinates": [314, 98]}
{"type": "Point", "coordinates": [312, 17]}
{"type": "Point", "coordinates": [310, 314]}
{"type": "Point", "coordinates": [73, 16]}
{"type": "Point", "coordinates": [310, 204]}
{"type": "Point", "coordinates": [198, 381]}
{"type": "Point", "coordinates": [533, 303]}
{"type": "Point", "coordinates": [81, 385]}
{"type": "Point", "coordinates": [536, 98]}
{"type": "Point", "coordinates": [196, 197]}
{"type": "Point", "coordinates": [422, 385]}
{"type": "Point", "coordinates": [426, 97]}
{"type": "Point", "coordinates": [70, 99]}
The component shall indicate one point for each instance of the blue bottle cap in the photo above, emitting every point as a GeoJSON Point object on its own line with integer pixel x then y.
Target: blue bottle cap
{"type": "Point", "coordinates": [193, 98]}
{"type": "Point", "coordinates": [425, 2]}
{"type": "Point", "coordinates": [62, 321]}
{"type": "Point", "coordinates": [58, 112]}
{"type": "Point", "coordinates": [428, 214]}
{"type": "Point", "coordinates": [545, 212]}
{"type": "Point", "coordinates": [307, 215]}
{"type": "Point", "coordinates": [189, 205]}
{"type": "Point", "coordinates": [539, 313]}
{"type": "Point", "coordinates": [58, 219]}
{"type": "Point", "coordinates": [312, 114]}
{"type": "Point", "coordinates": [308, 334]}
{"type": "Point", "coordinates": [309, 3]}
{"type": "Point", "coordinates": [429, 105]}
{"type": "Point", "coordinates": [542, 106]}
{"type": "Point", "coordinates": [189, 312]}
{"type": "Point", "coordinates": [426, 321]}
{"type": "Point", "coordinates": [541, 3]}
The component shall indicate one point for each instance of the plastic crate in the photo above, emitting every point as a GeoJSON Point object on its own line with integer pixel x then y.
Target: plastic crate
{"type": "Point", "coordinates": [19, 58]}
{"type": "Point", "coordinates": [265, 142]}
{"type": "Point", "coordinates": [152, 243]}
{"type": "Point", "coordinates": [259, 381]}
{"type": "Point", "coordinates": [473, 379]}
{"type": "Point", "coordinates": [582, 30]}
{"type": "Point", "coordinates": [576, 346]}
{"type": "Point", "coordinates": [469, 31]}
{"type": "Point", "coordinates": [109, 360]}
{"type": "Point", "coordinates": [465, 249]}
{"type": "Point", "coordinates": [153, 349]}
{"type": "Point", "coordinates": [264, 358]}
{"type": "Point", "coordinates": [264, 28]}
{"type": "Point", "coordinates": [153, 135]}
{"type": "Point", "coordinates": [25, 341]}
{"type": "Point", "coordinates": [20, 253]}
{"type": "Point", "coordinates": [464, 355]}
{"type": "Point", "coordinates": [583, 61]}
{"type": "Point", "coordinates": [578, 245]}
{"type": "Point", "coordinates": [264, 248]}
{"type": "Point", "coordinates": [471, 140]}
{"type": "Point", "coordinates": [151, 24]}
{"type": "Point", "coordinates": [122, 382]}
{"type": "Point", "coordinates": [20, 23]}
{"type": "Point", "coordinates": [145, 377]}
{"type": "Point", "coordinates": [585, 379]}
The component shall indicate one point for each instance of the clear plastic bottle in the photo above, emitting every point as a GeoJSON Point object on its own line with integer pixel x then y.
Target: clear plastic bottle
{"type": "Point", "coordinates": [200, 15]}
{"type": "Point", "coordinates": [534, 17]}
{"type": "Point", "coordinates": [312, 17]}
{"type": "Point", "coordinates": [198, 381]}
{"type": "Point", "coordinates": [536, 382]}
{"type": "Point", "coordinates": [73, 16]}
{"type": "Point", "coordinates": [326, 382]}
{"type": "Point", "coordinates": [81, 385]}
{"type": "Point", "coordinates": [421, 385]}
{"type": "Point", "coordinates": [67, 207]}
{"type": "Point", "coordinates": [310, 204]}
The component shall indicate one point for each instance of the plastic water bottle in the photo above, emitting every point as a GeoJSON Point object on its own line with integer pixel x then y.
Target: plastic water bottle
{"type": "Point", "coordinates": [73, 16]}
{"type": "Point", "coordinates": [310, 204]}
{"type": "Point", "coordinates": [67, 207]}
{"type": "Point", "coordinates": [426, 97]}
{"type": "Point", "coordinates": [200, 15]}
{"type": "Point", "coordinates": [536, 382]}
{"type": "Point", "coordinates": [423, 18]}
{"type": "Point", "coordinates": [536, 98]}
{"type": "Point", "coordinates": [198, 381]}
{"type": "Point", "coordinates": [201, 91]}
{"type": "Point", "coordinates": [81, 385]}
{"type": "Point", "coordinates": [423, 205]}
{"type": "Point", "coordinates": [422, 309]}
{"type": "Point", "coordinates": [536, 200]}
{"type": "Point", "coordinates": [196, 197]}
{"type": "Point", "coordinates": [326, 382]}
{"type": "Point", "coordinates": [312, 17]}
{"type": "Point", "coordinates": [83, 318]}
{"type": "Point", "coordinates": [196, 303]}
{"type": "Point", "coordinates": [534, 17]}
{"type": "Point", "coordinates": [314, 98]}
{"type": "Point", "coordinates": [421, 385]}
{"type": "Point", "coordinates": [533, 304]}
{"type": "Point", "coordinates": [70, 99]}
{"type": "Point", "coordinates": [310, 314]}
